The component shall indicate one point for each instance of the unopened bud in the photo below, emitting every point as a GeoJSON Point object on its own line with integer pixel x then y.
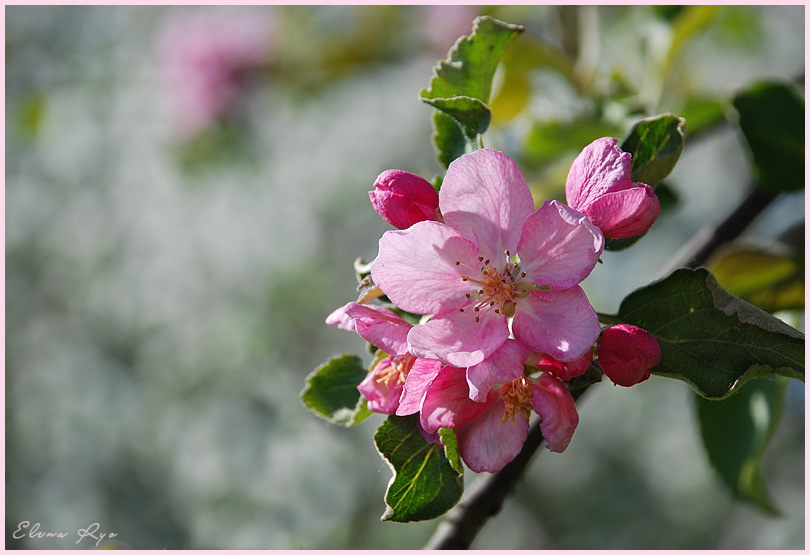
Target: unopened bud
{"type": "Point", "coordinates": [403, 199]}
{"type": "Point", "coordinates": [627, 353]}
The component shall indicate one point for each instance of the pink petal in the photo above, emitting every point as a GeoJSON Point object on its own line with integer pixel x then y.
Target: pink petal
{"type": "Point", "coordinates": [381, 398]}
{"type": "Point", "coordinates": [504, 365]}
{"type": "Point", "coordinates": [600, 168]}
{"type": "Point", "coordinates": [559, 246]}
{"type": "Point", "coordinates": [486, 443]}
{"type": "Point", "coordinates": [381, 327]}
{"type": "Point", "coordinates": [485, 197]}
{"type": "Point", "coordinates": [416, 267]}
{"type": "Point", "coordinates": [560, 323]}
{"type": "Point", "coordinates": [556, 407]}
{"type": "Point", "coordinates": [421, 374]}
{"type": "Point", "coordinates": [564, 370]}
{"type": "Point", "coordinates": [339, 318]}
{"type": "Point", "coordinates": [626, 213]}
{"type": "Point", "coordinates": [457, 339]}
{"type": "Point", "coordinates": [447, 401]}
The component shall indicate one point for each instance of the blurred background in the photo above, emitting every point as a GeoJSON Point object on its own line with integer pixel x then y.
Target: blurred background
{"type": "Point", "coordinates": [186, 194]}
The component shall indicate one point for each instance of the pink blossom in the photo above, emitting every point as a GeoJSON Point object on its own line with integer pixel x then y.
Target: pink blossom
{"type": "Point", "coordinates": [494, 259]}
{"type": "Point", "coordinates": [599, 186]}
{"type": "Point", "coordinates": [444, 24]}
{"type": "Point", "coordinates": [402, 198]}
{"type": "Point", "coordinates": [388, 332]}
{"type": "Point", "coordinates": [490, 432]}
{"type": "Point", "coordinates": [562, 370]}
{"type": "Point", "coordinates": [627, 353]}
{"type": "Point", "coordinates": [205, 57]}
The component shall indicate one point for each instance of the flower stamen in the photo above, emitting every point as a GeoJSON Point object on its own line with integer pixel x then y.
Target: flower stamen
{"type": "Point", "coordinates": [517, 398]}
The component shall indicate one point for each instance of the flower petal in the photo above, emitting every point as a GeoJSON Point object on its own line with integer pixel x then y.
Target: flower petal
{"type": "Point", "coordinates": [447, 402]}
{"type": "Point", "coordinates": [564, 370]}
{"type": "Point", "coordinates": [559, 246]}
{"type": "Point", "coordinates": [417, 270]}
{"type": "Point", "coordinates": [382, 397]}
{"type": "Point", "coordinates": [421, 374]}
{"type": "Point", "coordinates": [487, 443]}
{"type": "Point", "coordinates": [502, 366]}
{"type": "Point", "coordinates": [381, 327]}
{"type": "Point", "coordinates": [560, 323]}
{"type": "Point", "coordinates": [625, 213]}
{"type": "Point", "coordinates": [339, 318]}
{"type": "Point", "coordinates": [600, 168]}
{"type": "Point", "coordinates": [485, 197]}
{"type": "Point", "coordinates": [457, 339]}
{"type": "Point", "coordinates": [557, 409]}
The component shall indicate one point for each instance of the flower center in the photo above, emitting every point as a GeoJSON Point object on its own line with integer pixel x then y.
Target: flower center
{"type": "Point", "coordinates": [517, 398]}
{"type": "Point", "coordinates": [397, 370]}
{"type": "Point", "coordinates": [498, 288]}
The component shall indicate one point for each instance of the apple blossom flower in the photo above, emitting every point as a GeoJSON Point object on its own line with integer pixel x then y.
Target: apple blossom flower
{"type": "Point", "coordinates": [205, 57]}
{"type": "Point", "coordinates": [599, 186]}
{"type": "Point", "coordinates": [402, 198]}
{"type": "Point", "coordinates": [494, 261]}
{"type": "Point", "coordinates": [627, 353]}
{"type": "Point", "coordinates": [384, 329]}
{"type": "Point", "coordinates": [490, 431]}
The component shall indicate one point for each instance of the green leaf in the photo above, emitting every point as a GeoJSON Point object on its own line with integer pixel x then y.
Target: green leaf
{"type": "Point", "coordinates": [656, 144]}
{"type": "Point", "coordinates": [471, 114]}
{"type": "Point", "coordinates": [448, 438]}
{"type": "Point", "coordinates": [449, 139]}
{"type": "Point", "coordinates": [471, 62]}
{"type": "Point", "coordinates": [331, 391]}
{"type": "Point", "coordinates": [425, 484]}
{"type": "Point", "coordinates": [735, 433]}
{"type": "Point", "coordinates": [772, 120]}
{"type": "Point", "coordinates": [769, 279]}
{"type": "Point", "coordinates": [461, 85]}
{"type": "Point", "coordinates": [709, 338]}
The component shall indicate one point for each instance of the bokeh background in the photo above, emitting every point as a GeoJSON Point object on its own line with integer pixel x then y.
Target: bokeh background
{"type": "Point", "coordinates": [186, 194]}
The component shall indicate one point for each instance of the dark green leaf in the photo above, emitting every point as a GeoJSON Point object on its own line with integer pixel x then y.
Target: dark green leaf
{"type": "Point", "coordinates": [331, 391]}
{"type": "Point", "coordinates": [448, 437]}
{"type": "Point", "coordinates": [656, 144]}
{"type": "Point", "coordinates": [736, 432]}
{"type": "Point", "coordinates": [471, 114]}
{"type": "Point", "coordinates": [449, 139]}
{"type": "Point", "coordinates": [425, 484]}
{"type": "Point", "coordinates": [772, 120]}
{"type": "Point", "coordinates": [709, 338]}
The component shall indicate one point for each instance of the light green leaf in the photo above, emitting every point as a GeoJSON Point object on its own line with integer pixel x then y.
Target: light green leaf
{"type": "Point", "coordinates": [471, 114]}
{"type": "Point", "coordinates": [425, 484]}
{"type": "Point", "coordinates": [772, 121]}
{"type": "Point", "coordinates": [735, 433]}
{"type": "Point", "coordinates": [709, 338]}
{"type": "Point", "coordinates": [449, 139]}
{"type": "Point", "coordinates": [331, 391]}
{"type": "Point", "coordinates": [461, 85]}
{"type": "Point", "coordinates": [656, 144]}
{"type": "Point", "coordinates": [768, 279]}
{"type": "Point", "coordinates": [471, 62]}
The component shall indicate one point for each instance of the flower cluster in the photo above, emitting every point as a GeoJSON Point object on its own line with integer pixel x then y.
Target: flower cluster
{"type": "Point", "coordinates": [504, 322]}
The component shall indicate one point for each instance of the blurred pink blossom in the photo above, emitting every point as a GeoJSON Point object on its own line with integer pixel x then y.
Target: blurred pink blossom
{"type": "Point", "coordinates": [443, 25]}
{"type": "Point", "coordinates": [205, 57]}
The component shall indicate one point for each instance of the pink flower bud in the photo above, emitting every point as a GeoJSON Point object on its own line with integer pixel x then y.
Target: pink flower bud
{"type": "Point", "coordinates": [403, 199]}
{"type": "Point", "coordinates": [599, 186]}
{"type": "Point", "coordinates": [564, 370]}
{"type": "Point", "coordinates": [626, 354]}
